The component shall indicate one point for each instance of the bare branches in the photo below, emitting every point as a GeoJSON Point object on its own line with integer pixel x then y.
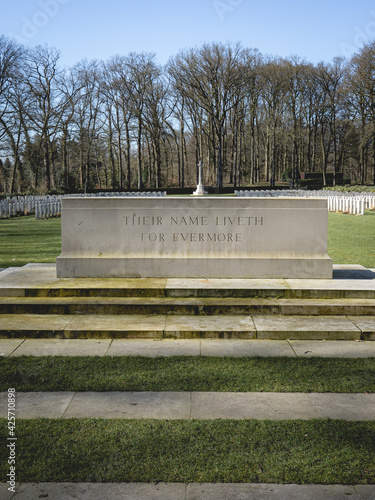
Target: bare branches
{"type": "Point", "coordinates": [129, 123]}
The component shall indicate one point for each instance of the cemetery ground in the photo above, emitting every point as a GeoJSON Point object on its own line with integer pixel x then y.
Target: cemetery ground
{"type": "Point", "coordinates": [318, 451]}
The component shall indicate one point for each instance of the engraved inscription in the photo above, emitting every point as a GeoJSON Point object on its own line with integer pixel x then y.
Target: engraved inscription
{"type": "Point", "coordinates": [135, 220]}
{"type": "Point", "coordinates": [189, 221]}
{"type": "Point", "coordinates": [239, 221]}
{"type": "Point", "coordinates": [207, 237]}
{"type": "Point", "coordinates": [230, 228]}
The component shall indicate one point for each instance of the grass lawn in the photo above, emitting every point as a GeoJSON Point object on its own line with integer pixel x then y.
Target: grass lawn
{"type": "Point", "coordinates": [24, 240]}
{"type": "Point", "coordinates": [89, 450]}
{"type": "Point", "coordinates": [29, 374]}
{"type": "Point", "coordinates": [351, 240]}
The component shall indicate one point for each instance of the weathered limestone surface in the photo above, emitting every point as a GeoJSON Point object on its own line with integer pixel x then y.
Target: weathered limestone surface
{"type": "Point", "coordinates": [212, 237]}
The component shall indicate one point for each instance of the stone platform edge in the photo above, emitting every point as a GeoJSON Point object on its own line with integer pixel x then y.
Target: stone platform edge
{"type": "Point", "coordinates": [213, 268]}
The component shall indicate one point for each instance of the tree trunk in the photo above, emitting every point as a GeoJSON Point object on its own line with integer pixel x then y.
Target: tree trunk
{"type": "Point", "coordinates": [219, 166]}
{"type": "Point", "coordinates": [47, 165]}
{"type": "Point", "coordinates": [128, 165]}
{"type": "Point", "coordinates": [139, 142]}
{"type": "Point", "coordinates": [119, 145]}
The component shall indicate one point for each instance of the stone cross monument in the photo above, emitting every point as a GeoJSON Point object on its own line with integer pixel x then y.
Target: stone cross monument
{"type": "Point", "coordinates": [200, 191]}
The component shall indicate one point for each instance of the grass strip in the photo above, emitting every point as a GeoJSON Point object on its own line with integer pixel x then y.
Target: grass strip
{"type": "Point", "coordinates": [28, 373]}
{"type": "Point", "coordinates": [89, 450]}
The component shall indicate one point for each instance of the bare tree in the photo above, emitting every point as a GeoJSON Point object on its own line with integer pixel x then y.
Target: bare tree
{"type": "Point", "coordinates": [11, 55]}
{"type": "Point", "coordinates": [361, 92]}
{"type": "Point", "coordinates": [87, 117]}
{"type": "Point", "coordinates": [213, 78]}
{"type": "Point", "coordinates": [46, 102]}
{"type": "Point", "coordinates": [330, 77]}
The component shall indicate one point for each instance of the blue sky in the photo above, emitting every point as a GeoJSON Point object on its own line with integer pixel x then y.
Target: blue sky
{"type": "Point", "coordinates": [93, 29]}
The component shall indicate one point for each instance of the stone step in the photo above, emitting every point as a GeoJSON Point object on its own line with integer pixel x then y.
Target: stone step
{"type": "Point", "coordinates": [327, 292]}
{"type": "Point", "coordinates": [39, 280]}
{"type": "Point", "coordinates": [273, 327]}
{"type": "Point", "coordinates": [185, 306]}
{"type": "Point", "coordinates": [220, 288]}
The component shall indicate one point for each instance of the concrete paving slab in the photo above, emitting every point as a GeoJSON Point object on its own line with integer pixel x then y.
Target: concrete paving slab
{"type": "Point", "coordinates": [125, 287]}
{"type": "Point", "coordinates": [187, 347]}
{"type": "Point", "coordinates": [95, 491]}
{"type": "Point", "coordinates": [287, 406]}
{"type": "Point", "coordinates": [62, 347]}
{"type": "Point", "coordinates": [108, 325]}
{"type": "Point", "coordinates": [366, 491]}
{"type": "Point", "coordinates": [251, 405]}
{"type": "Point", "coordinates": [333, 307]}
{"type": "Point", "coordinates": [356, 407]}
{"type": "Point", "coordinates": [37, 404]}
{"type": "Point", "coordinates": [305, 328]}
{"type": "Point", "coordinates": [245, 348]}
{"type": "Point", "coordinates": [199, 405]}
{"type": "Point", "coordinates": [110, 283]}
{"type": "Point", "coordinates": [7, 346]}
{"type": "Point", "coordinates": [283, 406]}
{"type": "Point", "coordinates": [8, 270]}
{"type": "Point", "coordinates": [6, 291]}
{"type": "Point", "coordinates": [224, 491]}
{"type": "Point", "coordinates": [154, 348]}
{"type": "Point", "coordinates": [366, 324]}
{"type": "Point", "coordinates": [192, 491]}
{"type": "Point", "coordinates": [161, 405]}
{"type": "Point", "coordinates": [40, 266]}
{"type": "Point", "coordinates": [31, 275]}
{"type": "Point", "coordinates": [333, 349]}
{"type": "Point", "coordinates": [220, 283]}
{"type": "Point", "coordinates": [5, 494]}
{"type": "Point", "coordinates": [42, 325]}
{"type": "Point", "coordinates": [349, 288]}
{"type": "Point", "coordinates": [209, 326]}
{"type": "Point", "coordinates": [176, 287]}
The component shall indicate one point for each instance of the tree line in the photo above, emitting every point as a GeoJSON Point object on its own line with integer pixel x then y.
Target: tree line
{"type": "Point", "coordinates": [129, 123]}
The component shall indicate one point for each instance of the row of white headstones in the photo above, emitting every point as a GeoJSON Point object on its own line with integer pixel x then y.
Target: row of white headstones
{"type": "Point", "coordinates": [347, 203]}
{"type": "Point", "coordinates": [45, 207]}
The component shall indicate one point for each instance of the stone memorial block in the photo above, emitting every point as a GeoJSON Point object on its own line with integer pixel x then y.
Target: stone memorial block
{"type": "Point", "coordinates": [191, 237]}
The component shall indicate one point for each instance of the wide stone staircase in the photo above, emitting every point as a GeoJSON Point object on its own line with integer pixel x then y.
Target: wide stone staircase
{"type": "Point", "coordinates": [34, 303]}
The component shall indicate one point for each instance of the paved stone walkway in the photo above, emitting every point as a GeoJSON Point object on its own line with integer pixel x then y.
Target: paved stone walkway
{"type": "Point", "coordinates": [193, 491]}
{"type": "Point", "coordinates": [189, 347]}
{"type": "Point", "coordinates": [187, 405]}
{"type": "Point", "coordinates": [193, 405]}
